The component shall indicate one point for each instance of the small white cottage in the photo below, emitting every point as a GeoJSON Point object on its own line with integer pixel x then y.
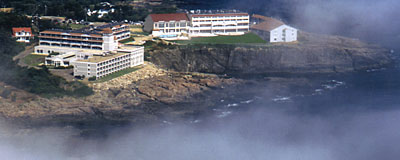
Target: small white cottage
{"type": "Point", "coordinates": [273, 30]}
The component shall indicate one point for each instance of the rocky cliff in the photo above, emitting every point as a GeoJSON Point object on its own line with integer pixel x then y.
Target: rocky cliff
{"type": "Point", "coordinates": [147, 95]}
{"type": "Point", "coordinates": [313, 53]}
{"type": "Point", "coordinates": [153, 94]}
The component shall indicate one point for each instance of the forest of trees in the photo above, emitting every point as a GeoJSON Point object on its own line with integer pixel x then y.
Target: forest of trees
{"type": "Point", "coordinates": [76, 9]}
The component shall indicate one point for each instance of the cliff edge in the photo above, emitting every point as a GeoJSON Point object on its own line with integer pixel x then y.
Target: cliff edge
{"type": "Point", "coordinates": [312, 54]}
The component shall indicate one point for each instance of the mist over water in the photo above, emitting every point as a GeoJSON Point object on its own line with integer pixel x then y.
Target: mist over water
{"type": "Point", "coordinates": [341, 117]}
{"type": "Point", "coordinates": [255, 134]}
{"type": "Point", "coordinates": [374, 21]}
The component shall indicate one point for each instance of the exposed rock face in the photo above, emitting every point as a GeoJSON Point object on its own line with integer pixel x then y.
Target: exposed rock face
{"type": "Point", "coordinates": [166, 97]}
{"type": "Point", "coordinates": [154, 94]}
{"type": "Point", "coordinates": [313, 53]}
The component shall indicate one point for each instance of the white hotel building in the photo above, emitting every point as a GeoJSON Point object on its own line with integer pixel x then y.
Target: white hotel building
{"type": "Point", "coordinates": [273, 30]}
{"type": "Point", "coordinates": [198, 23]}
{"type": "Point", "coordinates": [219, 22]}
{"type": "Point", "coordinates": [22, 34]}
{"type": "Point", "coordinates": [175, 25]}
{"type": "Point", "coordinates": [93, 53]}
{"type": "Point", "coordinates": [100, 65]}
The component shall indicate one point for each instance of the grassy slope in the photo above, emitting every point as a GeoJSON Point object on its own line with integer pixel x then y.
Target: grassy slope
{"type": "Point", "coordinates": [243, 39]}
{"type": "Point", "coordinates": [33, 60]}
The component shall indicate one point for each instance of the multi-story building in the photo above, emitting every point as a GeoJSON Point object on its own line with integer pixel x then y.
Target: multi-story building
{"type": "Point", "coordinates": [120, 30]}
{"type": "Point", "coordinates": [22, 34]}
{"type": "Point", "coordinates": [100, 65]}
{"type": "Point", "coordinates": [218, 22]}
{"type": "Point", "coordinates": [273, 30]}
{"type": "Point", "coordinates": [104, 37]}
{"type": "Point", "coordinates": [62, 41]}
{"type": "Point", "coordinates": [168, 25]}
{"type": "Point", "coordinates": [93, 52]}
{"type": "Point", "coordinates": [198, 23]}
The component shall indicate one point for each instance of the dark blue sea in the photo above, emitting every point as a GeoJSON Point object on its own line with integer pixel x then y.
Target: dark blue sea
{"type": "Point", "coordinates": [351, 116]}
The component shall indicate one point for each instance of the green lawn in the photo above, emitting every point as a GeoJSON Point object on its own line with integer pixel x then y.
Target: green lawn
{"type": "Point", "coordinates": [136, 26]}
{"type": "Point", "coordinates": [118, 74]}
{"type": "Point", "coordinates": [77, 26]}
{"type": "Point", "coordinates": [141, 33]}
{"type": "Point", "coordinates": [33, 60]}
{"type": "Point", "coordinates": [246, 38]}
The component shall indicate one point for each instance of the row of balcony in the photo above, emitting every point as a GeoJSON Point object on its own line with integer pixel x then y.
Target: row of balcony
{"type": "Point", "coordinates": [221, 17]}
{"type": "Point", "coordinates": [222, 20]}
{"type": "Point", "coordinates": [112, 70]}
{"type": "Point", "coordinates": [88, 37]}
{"type": "Point", "coordinates": [72, 46]}
{"type": "Point", "coordinates": [71, 42]}
{"type": "Point", "coordinates": [220, 27]}
{"type": "Point", "coordinates": [114, 61]}
{"type": "Point", "coordinates": [127, 61]}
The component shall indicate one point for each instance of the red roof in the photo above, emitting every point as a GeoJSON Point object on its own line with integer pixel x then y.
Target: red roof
{"type": "Point", "coordinates": [169, 17]}
{"type": "Point", "coordinates": [219, 14]}
{"type": "Point", "coordinates": [267, 23]}
{"type": "Point", "coordinates": [19, 29]}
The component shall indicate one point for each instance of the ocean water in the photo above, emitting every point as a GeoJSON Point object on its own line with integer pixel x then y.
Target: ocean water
{"type": "Point", "coordinates": [364, 91]}
{"type": "Point", "coordinates": [352, 116]}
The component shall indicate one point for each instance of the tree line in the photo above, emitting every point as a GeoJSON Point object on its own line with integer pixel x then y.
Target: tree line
{"type": "Point", "coordinates": [76, 9]}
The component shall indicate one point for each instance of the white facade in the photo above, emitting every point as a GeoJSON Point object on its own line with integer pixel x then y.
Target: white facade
{"type": "Point", "coordinates": [171, 29]}
{"type": "Point", "coordinates": [219, 24]}
{"type": "Point", "coordinates": [92, 53]}
{"type": "Point", "coordinates": [102, 65]}
{"type": "Point", "coordinates": [61, 60]}
{"type": "Point", "coordinates": [64, 42]}
{"type": "Point", "coordinates": [121, 32]}
{"type": "Point", "coordinates": [283, 33]}
{"type": "Point", "coordinates": [22, 34]}
{"type": "Point", "coordinates": [197, 24]}
{"type": "Point", "coordinates": [109, 42]}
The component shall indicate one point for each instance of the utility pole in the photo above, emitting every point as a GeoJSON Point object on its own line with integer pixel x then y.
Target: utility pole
{"type": "Point", "coordinates": [86, 12]}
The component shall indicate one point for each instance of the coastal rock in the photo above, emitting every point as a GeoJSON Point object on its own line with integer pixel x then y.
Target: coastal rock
{"type": "Point", "coordinates": [165, 95]}
{"type": "Point", "coordinates": [312, 54]}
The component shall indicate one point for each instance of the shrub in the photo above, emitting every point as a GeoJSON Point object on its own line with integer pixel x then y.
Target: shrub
{"type": "Point", "coordinates": [92, 78]}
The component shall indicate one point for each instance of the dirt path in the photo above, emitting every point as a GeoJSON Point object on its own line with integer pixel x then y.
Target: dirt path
{"type": "Point", "coordinates": [28, 50]}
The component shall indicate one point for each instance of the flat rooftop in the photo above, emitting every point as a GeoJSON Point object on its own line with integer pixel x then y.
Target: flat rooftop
{"type": "Point", "coordinates": [66, 49]}
{"type": "Point", "coordinates": [97, 59]}
{"type": "Point", "coordinates": [129, 47]}
{"type": "Point", "coordinates": [217, 11]}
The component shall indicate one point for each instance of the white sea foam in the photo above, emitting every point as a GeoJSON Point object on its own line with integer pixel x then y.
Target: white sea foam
{"type": "Point", "coordinates": [376, 70]}
{"type": "Point", "coordinates": [248, 101]}
{"type": "Point", "coordinates": [319, 90]}
{"type": "Point", "coordinates": [224, 114]}
{"type": "Point", "coordinates": [195, 121]}
{"type": "Point", "coordinates": [332, 84]}
{"type": "Point", "coordinates": [233, 105]}
{"type": "Point", "coordinates": [167, 122]}
{"type": "Point", "coordinates": [281, 99]}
